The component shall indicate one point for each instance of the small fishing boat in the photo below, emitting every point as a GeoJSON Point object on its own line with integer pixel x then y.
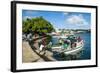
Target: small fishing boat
{"type": "Point", "coordinates": [69, 45]}
{"type": "Point", "coordinates": [76, 49]}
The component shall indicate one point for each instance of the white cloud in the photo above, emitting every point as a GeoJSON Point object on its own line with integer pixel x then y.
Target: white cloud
{"type": "Point", "coordinates": [76, 20]}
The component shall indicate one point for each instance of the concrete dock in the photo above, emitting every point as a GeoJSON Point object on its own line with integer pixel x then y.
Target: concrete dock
{"type": "Point", "coordinates": [30, 54]}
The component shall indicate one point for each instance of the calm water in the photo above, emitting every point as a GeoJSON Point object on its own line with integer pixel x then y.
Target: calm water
{"type": "Point", "coordinates": [86, 53]}
{"type": "Point", "coordinates": [82, 55]}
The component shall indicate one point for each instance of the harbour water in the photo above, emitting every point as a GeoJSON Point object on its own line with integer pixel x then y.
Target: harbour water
{"type": "Point", "coordinates": [86, 53]}
{"type": "Point", "coordinates": [82, 55]}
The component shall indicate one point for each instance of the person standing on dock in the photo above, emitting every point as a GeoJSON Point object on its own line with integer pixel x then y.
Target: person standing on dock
{"type": "Point", "coordinates": [43, 46]}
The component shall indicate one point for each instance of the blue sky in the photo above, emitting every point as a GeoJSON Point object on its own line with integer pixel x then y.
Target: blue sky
{"type": "Point", "coordinates": [62, 20]}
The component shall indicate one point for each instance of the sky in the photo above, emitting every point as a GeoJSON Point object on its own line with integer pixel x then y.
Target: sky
{"type": "Point", "coordinates": [61, 20]}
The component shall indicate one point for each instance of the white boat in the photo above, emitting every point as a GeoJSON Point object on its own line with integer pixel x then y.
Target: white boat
{"type": "Point", "coordinates": [59, 36]}
{"type": "Point", "coordinates": [78, 48]}
{"type": "Point", "coordinates": [70, 50]}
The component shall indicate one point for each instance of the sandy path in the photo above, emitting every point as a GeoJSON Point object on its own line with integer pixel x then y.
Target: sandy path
{"type": "Point", "coordinates": [28, 54]}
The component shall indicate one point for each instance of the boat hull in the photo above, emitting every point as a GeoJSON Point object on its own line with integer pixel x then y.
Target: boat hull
{"type": "Point", "coordinates": [74, 51]}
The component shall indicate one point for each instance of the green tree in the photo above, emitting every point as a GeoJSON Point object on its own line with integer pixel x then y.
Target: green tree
{"type": "Point", "coordinates": [37, 25]}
